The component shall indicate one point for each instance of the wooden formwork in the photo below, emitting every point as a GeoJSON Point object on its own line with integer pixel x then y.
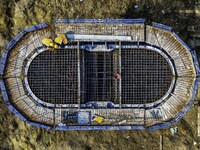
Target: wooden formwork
{"type": "Point", "coordinates": [136, 31]}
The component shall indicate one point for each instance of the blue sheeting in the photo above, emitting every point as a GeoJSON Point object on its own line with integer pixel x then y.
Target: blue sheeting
{"type": "Point", "coordinates": [159, 126]}
{"type": "Point", "coordinates": [3, 59]}
{"type": "Point", "coordinates": [195, 61]}
{"type": "Point", "coordinates": [182, 112]}
{"type": "Point", "coordinates": [189, 105]}
{"type": "Point", "coordinates": [106, 21]}
{"type": "Point", "coordinates": [14, 41]}
{"type": "Point", "coordinates": [181, 41]}
{"type": "Point", "coordinates": [39, 125]}
{"type": "Point", "coordinates": [3, 91]}
{"type": "Point", "coordinates": [62, 127]}
{"type": "Point", "coordinates": [161, 26]}
{"type": "Point", "coordinates": [36, 27]}
{"type": "Point", "coordinates": [12, 109]}
{"type": "Point", "coordinates": [193, 53]}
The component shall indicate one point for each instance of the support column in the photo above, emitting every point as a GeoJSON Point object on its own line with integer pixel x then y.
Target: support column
{"type": "Point", "coordinates": [120, 80]}
{"type": "Point", "coordinates": [79, 78]}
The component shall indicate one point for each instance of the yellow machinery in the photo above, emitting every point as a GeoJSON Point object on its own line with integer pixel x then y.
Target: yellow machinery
{"type": "Point", "coordinates": [58, 40]}
{"type": "Point", "coordinates": [49, 43]}
{"type": "Point", "coordinates": [61, 38]}
{"type": "Point", "coordinates": [98, 119]}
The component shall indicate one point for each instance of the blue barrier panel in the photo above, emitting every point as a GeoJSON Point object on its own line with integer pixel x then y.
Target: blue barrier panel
{"type": "Point", "coordinates": [36, 27]}
{"type": "Point", "coordinates": [159, 126]}
{"type": "Point", "coordinates": [137, 128]}
{"type": "Point", "coordinates": [189, 105]}
{"type": "Point", "coordinates": [5, 96]}
{"type": "Point", "coordinates": [2, 85]}
{"type": "Point", "coordinates": [3, 91]}
{"type": "Point", "coordinates": [14, 41]}
{"type": "Point", "coordinates": [19, 36]}
{"type": "Point", "coordinates": [195, 61]}
{"type": "Point", "coordinates": [106, 21]}
{"type": "Point", "coordinates": [39, 125]}
{"type": "Point", "coordinates": [3, 59]}
{"type": "Point", "coordinates": [11, 44]}
{"type": "Point", "coordinates": [193, 53]}
{"type": "Point", "coordinates": [2, 66]}
{"type": "Point", "coordinates": [181, 41]}
{"type": "Point", "coordinates": [12, 109]}
{"type": "Point", "coordinates": [63, 127]}
{"type": "Point", "coordinates": [161, 26]}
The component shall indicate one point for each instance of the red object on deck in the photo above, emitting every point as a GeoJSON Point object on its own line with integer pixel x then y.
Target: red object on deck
{"type": "Point", "coordinates": [117, 76]}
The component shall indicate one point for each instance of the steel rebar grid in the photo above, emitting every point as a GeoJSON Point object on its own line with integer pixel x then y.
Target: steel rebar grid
{"type": "Point", "coordinates": [146, 76]}
{"type": "Point", "coordinates": [53, 76]}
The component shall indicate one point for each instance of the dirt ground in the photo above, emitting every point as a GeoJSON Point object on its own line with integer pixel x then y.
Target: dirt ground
{"type": "Point", "coordinates": [18, 14]}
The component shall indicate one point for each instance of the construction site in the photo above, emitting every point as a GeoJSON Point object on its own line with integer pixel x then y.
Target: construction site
{"type": "Point", "coordinates": [99, 84]}
{"type": "Point", "coordinates": [110, 74]}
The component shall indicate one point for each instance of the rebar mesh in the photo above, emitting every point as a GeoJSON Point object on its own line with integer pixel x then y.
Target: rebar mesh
{"type": "Point", "coordinates": [146, 76]}
{"type": "Point", "coordinates": [52, 76]}
{"type": "Point", "coordinates": [98, 76]}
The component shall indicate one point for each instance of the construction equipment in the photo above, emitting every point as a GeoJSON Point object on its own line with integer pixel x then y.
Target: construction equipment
{"type": "Point", "coordinates": [49, 43]}
{"type": "Point", "coordinates": [97, 118]}
{"type": "Point", "coordinates": [61, 39]}
{"type": "Point", "coordinates": [58, 40]}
